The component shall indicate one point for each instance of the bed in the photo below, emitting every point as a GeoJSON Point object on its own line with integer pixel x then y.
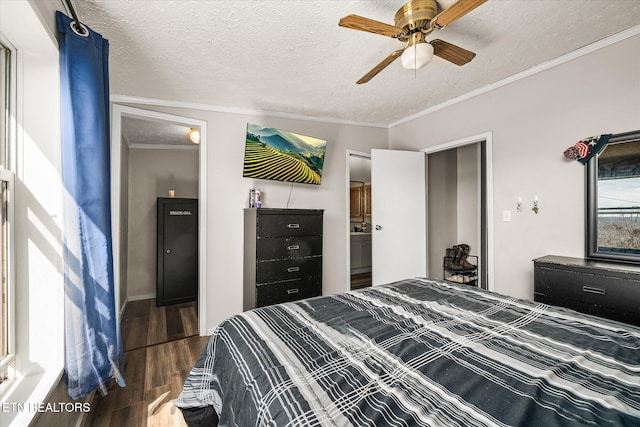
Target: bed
{"type": "Point", "coordinates": [416, 353]}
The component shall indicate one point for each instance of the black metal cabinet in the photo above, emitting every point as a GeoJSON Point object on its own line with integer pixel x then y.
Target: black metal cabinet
{"type": "Point", "coordinates": [282, 255]}
{"type": "Point", "coordinates": [604, 289]}
{"type": "Point", "coordinates": [177, 247]}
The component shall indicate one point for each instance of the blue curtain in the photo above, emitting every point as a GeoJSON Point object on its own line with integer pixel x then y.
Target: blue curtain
{"type": "Point", "coordinates": [93, 347]}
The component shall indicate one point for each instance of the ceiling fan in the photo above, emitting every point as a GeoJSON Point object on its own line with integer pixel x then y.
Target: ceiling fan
{"type": "Point", "coordinates": [413, 22]}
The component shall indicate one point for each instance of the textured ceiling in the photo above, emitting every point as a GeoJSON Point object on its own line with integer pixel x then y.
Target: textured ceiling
{"type": "Point", "coordinates": [154, 132]}
{"type": "Point", "coordinates": [291, 56]}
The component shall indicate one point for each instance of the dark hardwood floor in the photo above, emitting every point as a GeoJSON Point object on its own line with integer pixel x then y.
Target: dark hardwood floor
{"type": "Point", "coordinates": [160, 347]}
{"type": "Point", "coordinates": [361, 280]}
{"type": "Point", "coordinates": [144, 324]}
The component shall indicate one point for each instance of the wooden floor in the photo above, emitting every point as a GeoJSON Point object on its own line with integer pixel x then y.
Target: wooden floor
{"type": "Point", "coordinates": [161, 345]}
{"type": "Point", "coordinates": [144, 324]}
{"type": "Point", "coordinates": [361, 280]}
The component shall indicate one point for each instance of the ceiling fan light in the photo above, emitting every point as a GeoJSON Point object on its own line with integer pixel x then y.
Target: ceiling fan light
{"type": "Point", "coordinates": [417, 56]}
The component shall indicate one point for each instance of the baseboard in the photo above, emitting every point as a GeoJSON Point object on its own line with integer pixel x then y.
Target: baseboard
{"type": "Point", "coordinates": [141, 297]}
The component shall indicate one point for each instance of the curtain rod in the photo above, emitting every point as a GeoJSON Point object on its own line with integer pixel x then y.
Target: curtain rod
{"type": "Point", "coordinates": [79, 28]}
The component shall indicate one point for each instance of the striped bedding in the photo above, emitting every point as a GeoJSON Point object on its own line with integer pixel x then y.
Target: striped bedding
{"type": "Point", "coordinates": [418, 353]}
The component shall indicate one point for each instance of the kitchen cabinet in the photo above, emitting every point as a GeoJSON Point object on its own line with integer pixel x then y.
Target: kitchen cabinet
{"type": "Point", "coordinates": [367, 201]}
{"type": "Point", "coordinates": [360, 252]}
{"type": "Point", "coordinates": [355, 202]}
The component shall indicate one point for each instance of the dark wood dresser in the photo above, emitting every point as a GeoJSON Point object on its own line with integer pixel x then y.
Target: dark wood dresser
{"type": "Point", "coordinates": [603, 289]}
{"type": "Point", "coordinates": [282, 255]}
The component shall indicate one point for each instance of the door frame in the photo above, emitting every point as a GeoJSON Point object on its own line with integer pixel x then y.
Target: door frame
{"type": "Point", "coordinates": [347, 196]}
{"type": "Point", "coordinates": [487, 138]}
{"type": "Point", "coordinates": [117, 113]}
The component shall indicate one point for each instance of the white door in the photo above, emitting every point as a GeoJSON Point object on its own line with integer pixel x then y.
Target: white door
{"type": "Point", "coordinates": [398, 200]}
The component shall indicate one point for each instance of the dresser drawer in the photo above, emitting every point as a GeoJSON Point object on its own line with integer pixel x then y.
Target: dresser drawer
{"type": "Point", "coordinates": [288, 269]}
{"type": "Point", "coordinates": [288, 247]}
{"type": "Point", "coordinates": [289, 225]}
{"type": "Point", "coordinates": [282, 255]}
{"type": "Point", "coordinates": [590, 289]}
{"type": "Point", "coordinates": [276, 293]}
{"type": "Point", "coordinates": [602, 311]}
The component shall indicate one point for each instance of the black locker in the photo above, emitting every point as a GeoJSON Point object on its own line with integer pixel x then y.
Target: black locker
{"type": "Point", "coordinates": [177, 275]}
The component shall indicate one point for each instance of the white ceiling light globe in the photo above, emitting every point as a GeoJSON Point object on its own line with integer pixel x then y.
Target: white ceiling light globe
{"type": "Point", "coordinates": [417, 56]}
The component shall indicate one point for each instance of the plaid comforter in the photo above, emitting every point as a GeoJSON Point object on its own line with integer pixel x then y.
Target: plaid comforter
{"type": "Point", "coordinates": [417, 353]}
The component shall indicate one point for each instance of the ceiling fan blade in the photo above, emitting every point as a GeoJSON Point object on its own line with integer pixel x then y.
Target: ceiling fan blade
{"type": "Point", "coordinates": [453, 12]}
{"type": "Point", "coordinates": [356, 22]}
{"type": "Point", "coordinates": [451, 52]}
{"type": "Point", "coordinates": [381, 66]}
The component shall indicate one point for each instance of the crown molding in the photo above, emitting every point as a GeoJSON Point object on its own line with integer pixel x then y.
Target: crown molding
{"type": "Point", "coordinates": [623, 35]}
{"type": "Point", "coordinates": [125, 99]}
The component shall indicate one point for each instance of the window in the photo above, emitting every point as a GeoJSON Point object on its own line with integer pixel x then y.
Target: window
{"type": "Point", "coordinates": [7, 89]}
{"type": "Point", "coordinates": [30, 145]}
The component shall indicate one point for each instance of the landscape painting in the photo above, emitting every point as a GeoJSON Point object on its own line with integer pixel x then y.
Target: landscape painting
{"type": "Point", "coordinates": [283, 156]}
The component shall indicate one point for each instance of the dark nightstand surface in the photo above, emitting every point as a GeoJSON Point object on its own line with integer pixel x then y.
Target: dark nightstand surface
{"type": "Point", "coordinates": [583, 262]}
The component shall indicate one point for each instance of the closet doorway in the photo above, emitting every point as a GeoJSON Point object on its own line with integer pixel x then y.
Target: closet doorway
{"type": "Point", "coordinates": [459, 203]}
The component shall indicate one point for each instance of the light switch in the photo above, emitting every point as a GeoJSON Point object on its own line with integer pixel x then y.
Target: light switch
{"type": "Point", "coordinates": [506, 216]}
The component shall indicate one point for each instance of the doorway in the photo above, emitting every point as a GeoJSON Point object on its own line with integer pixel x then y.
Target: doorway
{"type": "Point", "coordinates": [460, 201]}
{"type": "Point", "coordinates": [480, 209]}
{"type": "Point", "coordinates": [120, 157]}
{"type": "Point", "coordinates": [359, 265]}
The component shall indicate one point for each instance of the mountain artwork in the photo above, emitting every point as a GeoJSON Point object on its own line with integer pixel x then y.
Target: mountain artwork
{"type": "Point", "coordinates": [283, 156]}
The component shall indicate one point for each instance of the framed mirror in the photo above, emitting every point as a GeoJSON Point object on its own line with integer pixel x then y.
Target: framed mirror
{"type": "Point", "coordinates": [613, 201]}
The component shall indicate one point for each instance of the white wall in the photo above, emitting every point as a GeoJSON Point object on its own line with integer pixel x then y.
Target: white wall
{"type": "Point", "coordinates": [360, 169]}
{"type": "Point", "coordinates": [228, 194]}
{"type": "Point", "coordinates": [533, 121]}
{"type": "Point", "coordinates": [468, 218]}
{"type": "Point", "coordinates": [152, 173]}
{"type": "Point", "coordinates": [442, 181]}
